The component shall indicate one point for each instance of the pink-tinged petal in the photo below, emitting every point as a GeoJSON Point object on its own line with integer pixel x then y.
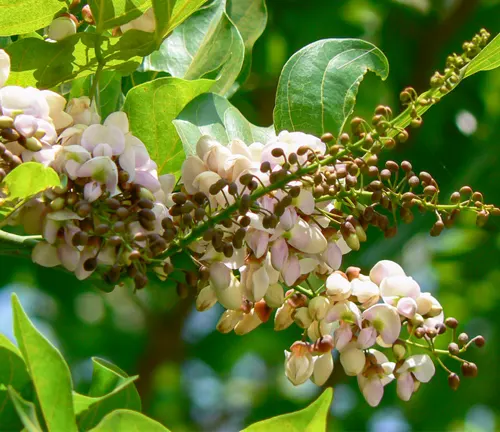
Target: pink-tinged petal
{"type": "Point", "coordinates": [367, 337]}
{"type": "Point", "coordinates": [260, 283]}
{"type": "Point", "coordinates": [220, 276]}
{"type": "Point", "coordinates": [167, 182]}
{"type": "Point", "coordinates": [72, 168]}
{"type": "Point", "coordinates": [100, 134]}
{"type": "Point", "coordinates": [422, 367]}
{"type": "Point", "coordinates": [393, 287]}
{"type": "Point", "coordinates": [345, 311]}
{"type": "Point", "coordinates": [365, 291]}
{"type": "Point", "coordinates": [228, 320]}
{"type": "Point", "coordinates": [407, 307]}
{"type": "Point", "coordinates": [26, 125]}
{"type": "Point", "coordinates": [118, 120]}
{"type": "Point", "coordinates": [338, 286]}
{"type": "Point", "coordinates": [238, 147]}
{"type": "Point", "coordinates": [127, 162]}
{"type": "Point", "coordinates": [279, 253]}
{"type": "Point", "coordinates": [45, 255]}
{"type": "Point", "coordinates": [216, 158]}
{"type": "Point", "coordinates": [333, 256]}
{"type": "Point", "coordinates": [147, 180]}
{"type": "Point", "coordinates": [92, 191]}
{"type": "Point", "coordinates": [205, 299]}
{"type": "Point", "coordinates": [69, 256]}
{"type": "Point", "coordinates": [344, 248]}
{"type": "Point", "coordinates": [291, 270]}
{"type": "Point", "coordinates": [386, 321]}
{"type": "Point", "coordinates": [352, 360]}
{"type": "Point", "coordinates": [372, 389]}
{"type": "Point", "coordinates": [232, 296]}
{"type": "Point", "coordinates": [308, 265]}
{"type": "Point", "coordinates": [258, 241]}
{"type": "Point", "coordinates": [383, 269]}
{"type": "Point", "coordinates": [203, 146]}
{"type": "Point", "coordinates": [247, 323]}
{"type": "Point", "coordinates": [288, 219]}
{"type": "Point", "coordinates": [342, 336]}
{"type": "Point", "coordinates": [102, 150]}
{"type": "Point", "coordinates": [56, 104]}
{"type": "Point", "coordinates": [50, 229]}
{"type": "Point", "coordinates": [307, 238]}
{"type": "Point", "coordinates": [305, 202]}
{"type": "Point", "coordinates": [86, 253]}
{"type": "Point", "coordinates": [405, 386]}
{"type": "Point", "coordinates": [4, 67]}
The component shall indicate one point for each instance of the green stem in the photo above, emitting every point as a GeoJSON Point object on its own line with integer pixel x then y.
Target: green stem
{"type": "Point", "coordinates": [16, 245]}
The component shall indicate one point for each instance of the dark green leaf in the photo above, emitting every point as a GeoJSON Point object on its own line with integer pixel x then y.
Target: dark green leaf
{"type": "Point", "coordinates": [250, 17]}
{"type": "Point", "coordinates": [12, 373]}
{"type": "Point", "coordinates": [182, 10]}
{"type": "Point", "coordinates": [112, 13]}
{"type": "Point", "coordinates": [310, 419]}
{"type": "Point", "coordinates": [124, 421]}
{"type": "Point", "coordinates": [207, 43]}
{"type": "Point", "coordinates": [487, 59]}
{"type": "Point", "coordinates": [24, 16]}
{"type": "Point", "coordinates": [213, 115]}
{"type": "Point", "coordinates": [151, 107]}
{"type": "Point", "coordinates": [25, 410]}
{"type": "Point", "coordinates": [49, 372]}
{"type": "Point", "coordinates": [318, 85]}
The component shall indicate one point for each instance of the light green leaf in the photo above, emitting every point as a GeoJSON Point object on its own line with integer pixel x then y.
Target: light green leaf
{"type": "Point", "coordinates": [12, 373]}
{"type": "Point", "coordinates": [182, 10]}
{"type": "Point", "coordinates": [213, 115]}
{"type": "Point", "coordinates": [29, 179]}
{"type": "Point", "coordinates": [110, 91]}
{"type": "Point", "coordinates": [487, 59]}
{"type": "Point", "coordinates": [318, 86]}
{"type": "Point", "coordinates": [24, 16]}
{"type": "Point", "coordinates": [207, 43]}
{"type": "Point", "coordinates": [151, 107]}
{"type": "Point", "coordinates": [125, 421]}
{"type": "Point", "coordinates": [310, 419]}
{"type": "Point", "coordinates": [48, 370]}
{"type": "Point", "coordinates": [250, 17]}
{"type": "Point", "coordinates": [25, 410]}
{"type": "Point", "coordinates": [112, 13]}
{"type": "Point", "coordinates": [37, 63]}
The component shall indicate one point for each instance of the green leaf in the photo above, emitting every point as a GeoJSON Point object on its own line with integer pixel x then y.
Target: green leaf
{"type": "Point", "coordinates": [182, 10]}
{"type": "Point", "coordinates": [111, 389]}
{"type": "Point", "coordinates": [208, 44]}
{"type": "Point", "coordinates": [25, 410]}
{"type": "Point", "coordinates": [250, 17]}
{"type": "Point", "coordinates": [124, 421]}
{"type": "Point", "coordinates": [28, 179]}
{"type": "Point", "coordinates": [35, 62]}
{"type": "Point", "coordinates": [110, 91]}
{"type": "Point", "coordinates": [318, 85]}
{"type": "Point", "coordinates": [487, 59]}
{"type": "Point", "coordinates": [310, 419]}
{"type": "Point", "coordinates": [112, 13]}
{"type": "Point", "coordinates": [151, 107]}
{"type": "Point", "coordinates": [24, 16]}
{"type": "Point", "coordinates": [12, 373]}
{"type": "Point", "coordinates": [213, 115]}
{"type": "Point", "coordinates": [48, 370]}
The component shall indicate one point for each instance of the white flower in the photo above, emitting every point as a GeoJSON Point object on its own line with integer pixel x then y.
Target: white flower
{"type": "Point", "coordinates": [418, 367]}
{"type": "Point", "coordinates": [247, 323]}
{"type": "Point", "coordinates": [365, 291]}
{"type": "Point", "coordinates": [318, 329]}
{"type": "Point", "coordinates": [228, 320]}
{"type": "Point", "coordinates": [352, 359]}
{"type": "Point", "coordinates": [338, 287]}
{"type": "Point", "coordinates": [56, 102]}
{"type": "Point", "coordinates": [231, 296]}
{"type": "Point", "coordinates": [255, 281]}
{"type": "Point", "coordinates": [393, 288]}
{"type": "Point", "coordinates": [83, 111]}
{"type": "Point", "coordinates": [103, 171]}
{"type": "Point", "coordinates": [61, 28]}
{"type": "Point", "coordinates": [283, 318]}
{"type": "Point", "coordinates": [307, 238]}
{"type": "Point", "coordinates": [383, 269]}
{"type": "Point", "coordinates": [206, 298]}
{"type": "Point", "coordinates": [345, 311]}
{"type": "Point", "coordinates": [318, 307]}
{"type": "Point", "coordinates": [385, 320]}
{"type": "Point", "coordinates": [45, 255]}
{"type": "Point", "coordinates": [299, 364]}
{"type": "Point", "coordinates": [372, 382]}
{"type": "Point", "coordinates": [146, 22]}
{"type": "Point", "coordinates": [4, 67]}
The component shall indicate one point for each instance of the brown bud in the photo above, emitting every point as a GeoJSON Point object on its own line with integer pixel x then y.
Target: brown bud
{"type": "Point", "coordinates": [437, 228]}
{"type": "Point", "coordinates": [327, 137]}
{"type": "Point", "coordinates": [479, 341]}
{"type": "Point", "coordinates": [463, 338]}
{"type": "Point", "coordinates": [262, 310]}
{"type": "Point", "coordinates": [451, 323]}
{"type": "Point", "coordinates": [453, 348]}
{"type": "Point", "coordinates": [469, 370]}
{"type": "Point", "coordinates": [453, 381]}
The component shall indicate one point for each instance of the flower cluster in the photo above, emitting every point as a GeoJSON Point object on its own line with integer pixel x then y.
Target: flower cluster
{"type": "Point", "coordinates": [265, 225]}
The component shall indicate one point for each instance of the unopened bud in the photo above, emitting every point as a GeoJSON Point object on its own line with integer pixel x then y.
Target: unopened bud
{"type": "Point", "coordinates": [248, 323]}
{"type": "Point", "coordinates": [262, 310]}
{"type": "Point", "coordinates": [61, 28]}
{"type": "Point", "coordinates": [453, 381]}
{"type": "Point", "coordinates": [206, 299]}
{"type": "Point", "coordinates": [453, 348]}
{"type": "Point", "coordinates": [302, 317]}
{"type": "Point", "coordinates": [451, 323]}
{"type": "Point", "coordinates": [275, 296]}
{"type": "Point", "coordinates": [469, 370]}
{"type": "Point", "coordinates": [228, 320]}
{"type": "Point", "coordinates": [318, 307]}
{"type": "Point", "coordinates": [399, 349]}
{"type": "Point", "coordinates": [463, 338]}
{"type": "Point", "coordinates": [479, 341]}
{"type": "Point", "coordinates": [283, 317]}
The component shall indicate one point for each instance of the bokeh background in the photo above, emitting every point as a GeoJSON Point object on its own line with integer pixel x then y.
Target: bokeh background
{"type": "Point", "coordinates": [194, 379]}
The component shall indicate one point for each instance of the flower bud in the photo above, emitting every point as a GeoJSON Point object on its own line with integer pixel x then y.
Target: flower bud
{"type": "Point", "coordinates": [469, 370]}
{"type": "Point", "coordinates": [262, 310]}
{"type": "Point", "coordinates": [479, 341]}
{"type": "Point", "coordinates": [249, 322]}
{"type": "Point", "coordinates": [275, 296]}
{"type": "Point", "coordinates": [318, 307]}
{"type": "Point", "coordinates": [302, 317]}
{"type": "Point", "coordinates": [299, 364]}
{"type": "Point", "coordinates": [228, 320]}
{"type": "Point", "coordinates": [87, 15]}
{"type": "Point", "coordinates": [323, 367]}
{"type": "Point", "coordinates": [206, 299]}
{"type": "Point", "coordinates": [399, 349]}
{"type": "Point", "coordinates": [453, 381]}
{"type": "Point", "coordinates": [463, 338]}
{"type": "Point", "coordinates": [337, 286]}
{"type": "Point", "coordinates": [283, 317]}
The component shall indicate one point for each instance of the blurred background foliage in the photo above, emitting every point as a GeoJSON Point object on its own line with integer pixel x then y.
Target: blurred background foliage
{"type": "Point", "coordinates": [193, 378]}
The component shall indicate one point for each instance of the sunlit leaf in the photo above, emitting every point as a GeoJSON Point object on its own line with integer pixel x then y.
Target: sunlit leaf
{"type": "Point", "coordinates": [213, 115]}
{"type": "Point", "coordinates": [48, 370]}
{"type": "Point", "coordinates": [487, 59]}
{"type": "Point", "coordinates": [207, 43]}
{"type": "Point", "coordinates": [318, 85]}
{"type": "Point", "coordinates": [28, 179]}
{"type": "Point", "coordinates": [182, 10]}
{"type": "Point", "coordinates": [310, 419]}
{"type": "Point", "coordinates": [111, 13]}
{"type": "Point", "coordinates": [24, 16]}
{"type": "Point", "coordinates": [25, 410]}
{"type": "Point", "coordinates": [124, 420]}
{"type": "Point", "coordinates": [151, 107]}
